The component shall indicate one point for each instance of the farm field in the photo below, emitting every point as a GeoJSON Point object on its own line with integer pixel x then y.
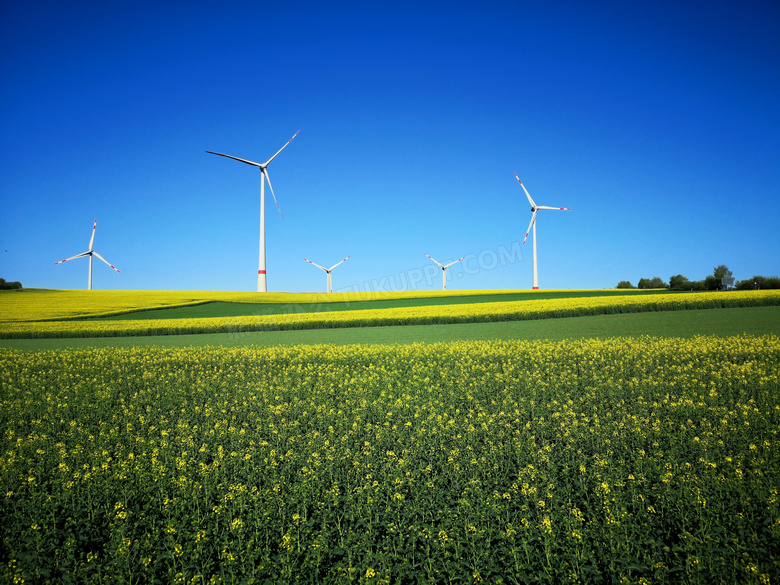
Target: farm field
{"type": "Point", "coordinates": [48, 305]}
{"type": "Point", "coordinates": [720, 322]}
{"type": "Point", "coordinates": [21, 321]}
{"type": "Point", "coordinates": [621, 460]}
{"type": "Point", "coordinates": [638, 442]}
{"type": "Point", "coordinates": [235, 309]}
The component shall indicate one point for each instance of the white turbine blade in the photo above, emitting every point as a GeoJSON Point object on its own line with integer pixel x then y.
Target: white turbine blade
{"type": "Point", "coordinates": [530, 225]}
{"type": "Point", "coordinates": [437, 262]}
{"type": "Point", "coordinates": [527, 194]}
{"type": "Point", "coordinates": [451, 263]}
{"type": "Point", "coordinates": [243, 160]}
{"type": "Point", "coordinates": [344, 260]}
{"type": "Point", "coordinates": [73, 257]}
{"type": "Point", "coordinates": [92, 239]}
{"type": "Point", "coordinates": [317, 265]}
{"type": "Point", "coordinates": [265, 174]}
{"type": "Point", "coordinates": [554, 208]}
{"type": "Point", "coordinates": [106, 261]}
{"type": "Point", "coordinates": [280, 150]}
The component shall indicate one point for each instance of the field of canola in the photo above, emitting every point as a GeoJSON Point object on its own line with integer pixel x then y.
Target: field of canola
{"type": "Point", "coordinates": [14, 326]}
{"type": "Point", "coordinates": [619, 461]}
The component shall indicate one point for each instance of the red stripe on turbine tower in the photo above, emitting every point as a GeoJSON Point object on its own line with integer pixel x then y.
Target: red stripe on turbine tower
{"type": "Point", "coordinates": [261, 271]}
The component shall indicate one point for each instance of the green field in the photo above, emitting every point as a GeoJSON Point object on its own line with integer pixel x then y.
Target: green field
{"type": "Point", "coordinates": [683, 324]}
{"type": "Point", "coordinates": [234, 309]}
{"type": "Point", "coordinates": [638, 442]}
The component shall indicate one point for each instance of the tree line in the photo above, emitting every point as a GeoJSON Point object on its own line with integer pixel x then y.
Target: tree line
{"type": "Point", "coordinates": [9, 285]}
{"type": "Point", "coordinates": [720, 279]}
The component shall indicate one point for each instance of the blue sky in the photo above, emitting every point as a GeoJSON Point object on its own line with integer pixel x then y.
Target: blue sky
{"type": "Point", "coordinates": [656, 122]}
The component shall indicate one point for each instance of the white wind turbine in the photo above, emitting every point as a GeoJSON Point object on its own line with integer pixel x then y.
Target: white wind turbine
{"type": "Point", "coordinates": [534, 209]}
{"type": "Point", "coordinates": [261, 279]}
{"type": "Point", "coordinates": [90, 252]}
{"type": "Point", "coordinates": [444, 270]}
{"type": "Point", "coordinates": [328, 271]}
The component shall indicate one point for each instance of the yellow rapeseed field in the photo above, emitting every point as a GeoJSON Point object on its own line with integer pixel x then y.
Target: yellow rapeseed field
{"type": "Point", "coordinates": [623, 460]}
{"type": "Point", "coordinates": [45, 304]}
{"type": "Point", "coordinates": [431, 314]}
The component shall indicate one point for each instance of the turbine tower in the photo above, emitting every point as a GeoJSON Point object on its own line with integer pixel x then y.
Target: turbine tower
{"type": "Point", "coordinates": [328, 271]}
{"type": "Point", "coordinates": [444, 270]}
{"type": "Point", "coordinates": [534, 209]}
{"type": "Point", "coordinates": [90, 252]}
{"type": "Point", "coordinates": [261, 275]}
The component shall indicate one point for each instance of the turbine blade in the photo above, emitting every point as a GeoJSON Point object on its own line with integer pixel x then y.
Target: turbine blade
{"type": "Point", "coordinates": [527, 194]}
{"type": "Point", "coordinates": [344, 260]}
{"type": "Point", "coordinates": [451, 263]}
{"type": "Point", "coordinates": [73, 257]}
{"type": "Point", "coordinates": [317, 265]}
{"type": "Point", "coordinates": [437, 262]}
{"type": "Point", "coordinates": [107, 263]}
{"type": "Point", "coordinates": [554, 208]}
{"type": "Point", "coordinates": [280, 150]}
{"type": "Point", "coordinates": [265, 174]}
{"type": "Point", "coordinates": [243, 160]}
{"type": "Point", "coordinates": [92, 239]}
{"type": "Point", "coordinates": [530, 225]}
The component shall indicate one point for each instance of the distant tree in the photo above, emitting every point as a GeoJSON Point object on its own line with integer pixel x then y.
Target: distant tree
{"type": "Point", "coordinates": [698, 285]}
{"type": "Point", "coordinates": [755, 283]}
{"type": "Point", "coordinates": [711, 283]}
{"type": "Point", "coordinates": [625, 284]}
{"type": "Point", "coordinates": [679, 282]}
{"type": "Point", "coordinates": [9, 285]}
{"type": "Point", "coordinates": [723, 277]}
{"type": "Point", "coordinates": [759, 283]}
{"type": "Point", "coordinates": [654, 282]}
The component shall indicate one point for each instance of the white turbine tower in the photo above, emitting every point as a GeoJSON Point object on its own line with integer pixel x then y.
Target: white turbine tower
{"type": "Point", "coordinates": [328, 271]}
{"type": "Point", "coordinates": [261, 280]}
{"type": "Point", "coordinates": [444, 270]}
{"type": "Point", "coordinates": [534, 209]}
{"type": "Point", "coordinates": [90, 252]}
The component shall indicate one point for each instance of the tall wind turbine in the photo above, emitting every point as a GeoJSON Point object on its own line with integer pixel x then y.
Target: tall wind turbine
{"type": "Point", "coordinates": [534, 209]}
{"type": "Point", "coordinates": [261, 280]}
{"type": "Point", "coordinates": [328, 271]}
{"type": "Point", "coordinates": [90, 252]}
{"type": "Point", "coordinates": [444, 270]}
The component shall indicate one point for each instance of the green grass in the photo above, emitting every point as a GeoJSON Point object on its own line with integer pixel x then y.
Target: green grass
{"type": "Point", "coordinates": [750, 320]}
{"type": "Point", "coordinates": [241, 309]}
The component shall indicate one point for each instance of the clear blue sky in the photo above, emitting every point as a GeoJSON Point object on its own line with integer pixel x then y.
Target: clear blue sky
{"type": "Point", "coordinates": [658, 123]}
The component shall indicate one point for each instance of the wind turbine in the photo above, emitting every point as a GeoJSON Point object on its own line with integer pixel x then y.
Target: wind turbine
{"type": "Point", "coordinates": [261, 280]}
{"type": "Point", "coordinates": [534, 209]}
{"type": "Point", "coordinates": [90, 252]}
{"type": "Point", "coordinates": [328, 271]}
{"type": "Point", "coordinates": [444, 270]}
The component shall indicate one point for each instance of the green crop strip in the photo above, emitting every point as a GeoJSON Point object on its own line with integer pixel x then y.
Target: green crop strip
{"type": "Point", "coordinates": [228, 309]}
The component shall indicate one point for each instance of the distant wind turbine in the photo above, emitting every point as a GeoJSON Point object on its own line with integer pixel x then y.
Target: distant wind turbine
{"type": "Point", "coordinates": [261, 274]}
{"type": "Point", "coordinates": [534, 209]}
{"type": "Point", "coordinates": [90, 252]}
{"type": "Point", "coordinates": [328, 271]}
{"type": "Point", "coordinates": [444, 270]}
